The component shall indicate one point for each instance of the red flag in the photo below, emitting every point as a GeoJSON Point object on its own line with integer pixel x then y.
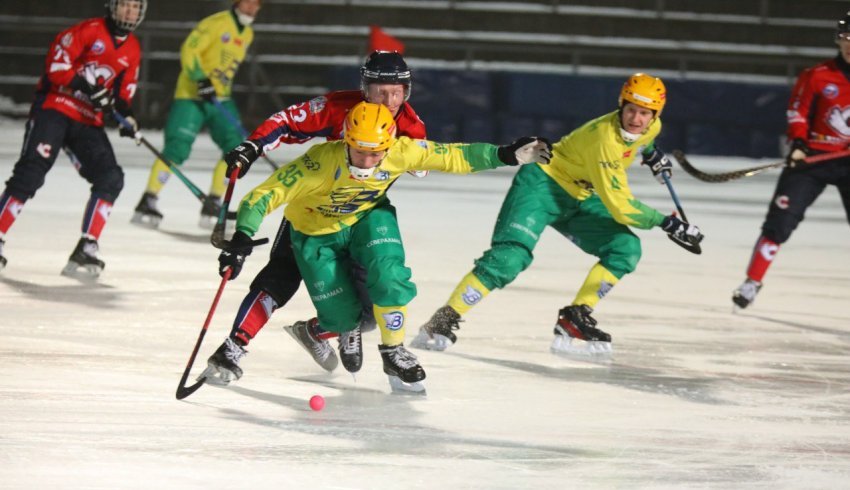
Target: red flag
{"type": "Point", "coordinates": [381, 41]}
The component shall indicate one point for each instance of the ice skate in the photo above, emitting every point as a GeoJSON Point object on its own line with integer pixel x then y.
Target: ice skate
{"type": "Point", "coordinates": [146, 213]}
{"type": "Point", "coordinates": [2, 258]}
{"type": "Point", "coordinates": [223, 365]}
{"type": "Point", "coordinates": [351, 350]}
{"type": "Point", "coordinates": [745, 294]}
{"type": "Point", "coordinates": [84, 262]}
{"type": "Point", "coordinates": [576, 335]}
{"type": "Point", "coordinates": [304, 332]}
{"type": "Point", "coordinates": [209, 212]}
{"type": "Point", "coordinates": [403, 369]}
{"type": "Point", "coordinates": [437, 333]}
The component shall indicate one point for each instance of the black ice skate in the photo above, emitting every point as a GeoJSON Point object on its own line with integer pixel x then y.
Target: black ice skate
{"type": "Point", "coordinates": [746, 293]}
{"type": "Point", "coordinates": [403, 369]}
{"type": "Point", "coordinates": [84, 262]}
{"type": "Point", "coordinates": [146, 213]}
{"type": "Point", "coordinates": [304, 332]}
{"type": "Point", "coordinates": [209, 212]}
{"type": "Point", "coordinates": [574, 322]}
{"type": "Point", "coordinates": [437, 333]}
{"type": "Point", "coordinates": [223, 365]}
{"type": "Point", "coordinates": [351, 350]}
{"type": "Point", "coordinates": [2, 258]}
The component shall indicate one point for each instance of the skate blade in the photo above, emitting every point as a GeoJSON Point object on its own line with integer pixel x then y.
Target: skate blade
{"type": "Point", "coordinates": [89, 272]}
{"type": "Point", "coordinates": [400, 387]}
{"type": "Point", "coordinates": [215, 376]}
{"type": "Point", "coordinates": [328, 365]}
{"type": "Point", "coordinates": [145, 221]}
{"type": "Point", "coordinates": [593, 350]}
{"type": "Point", "coordinates": [437, 343]}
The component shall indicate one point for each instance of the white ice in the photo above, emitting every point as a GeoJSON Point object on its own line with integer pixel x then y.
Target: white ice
{"type": "Point", "coordinates": [696, 397]}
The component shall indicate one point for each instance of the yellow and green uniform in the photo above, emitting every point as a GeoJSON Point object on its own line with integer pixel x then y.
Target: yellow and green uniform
{"type": "Point", "coordinates": [213, 50]}
{"type": "Point", "coordinates": [336, 219]}
{"type": "Point", "coordinates": [584, 194]}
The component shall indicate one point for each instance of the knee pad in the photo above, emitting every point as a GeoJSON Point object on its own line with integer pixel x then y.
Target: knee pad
{"type": "Point", "coordinates": [109, 184]}
{"type": "Point", "coordinates": [27, 177]}
{"type": "Point", "coordinates": [622, 254]}
{"type": "Point", "coordinates": [500, 265]}
{"type": "Point", "coordinates": [778, 228]}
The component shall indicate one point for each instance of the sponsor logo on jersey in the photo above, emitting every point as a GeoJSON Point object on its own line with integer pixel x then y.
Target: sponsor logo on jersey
{"type": "Point", "coordinates": [782, 202]}
{"type": "Point", "coordinates": [611, 165]}
{"type": "Point", "coordinates": [318, 104]}
{"type": "Point", "coordinates": [382, 175]}
{"type": "Point", "coordinates": [394, 320]}
{"type": "Point", "coordinates": [98, 47]}
{"type": "Point", "coordinates": [124, 62]}
{"type": "Point", "coordinates": [627, 154]}
{"type": "Point", "coordinates": [471, 295]}
{"type": "Point", "coordinates": [67, 39]}
{"type": "Point", "coordinates": [225, 38]}
{"type": "Point", "coordinates": [44, 150]}
{"type": "Point", "coordinates": [830, 91]}
{"type": "Point", "coordinates": [525, 230]}
{"type": "Point", "coordinates": [311, 164]}
{"type": "Point", "coordinates": [604, 287]}
{"type": "Point", "coordinates": [237, 42]}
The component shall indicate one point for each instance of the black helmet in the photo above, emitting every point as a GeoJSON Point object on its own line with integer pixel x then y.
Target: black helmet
{"type": "Point", "coordinates": [121, 27]}
{"type": "Point", "coordinates": [843, 26]}
{"type": "Point", "coordinates": [385, 67]}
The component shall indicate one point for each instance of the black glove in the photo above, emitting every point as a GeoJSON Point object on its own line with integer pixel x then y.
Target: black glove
{"type": "Point", "coordinates": [527, 149]}
{"type": "Point", "coordinates": [659, 164]}
{"type": "Point", "coordinates": [681, 231]}
{"type": "Point", "coordinates": [799, 150]}
{"type": "Point", "coordinates": [206, 90]}
{"type": "Point", "coordinates": [242, 156]}
{"type": "Point", "coordinates": [123, 108]}
{"type": "Point", "coordinates": [101, 98]}
{"type": "Point", "coordinates": [233, 254]}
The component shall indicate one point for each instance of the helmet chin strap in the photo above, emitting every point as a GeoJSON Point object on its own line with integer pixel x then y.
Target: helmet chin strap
{"type": "Point", "coordinates": [356, 172]}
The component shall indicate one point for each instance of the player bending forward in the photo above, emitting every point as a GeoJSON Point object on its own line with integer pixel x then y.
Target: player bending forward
{"type": "Point", "coordinates": [584, 195]}
{"type": "Point", "coordinates": [339, 212]}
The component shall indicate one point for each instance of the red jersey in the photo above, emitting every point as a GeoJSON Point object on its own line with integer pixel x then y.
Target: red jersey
{"type": "Point", "coordinates": [90, 51]}
{"type": "Point", "coordinates": [819, 109]}
{"type": "Point", "coordinates": [324, 116]}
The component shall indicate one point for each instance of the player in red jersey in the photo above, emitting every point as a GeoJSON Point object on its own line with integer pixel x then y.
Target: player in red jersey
{"type": "Point", "coordinates": [91, 68]}
{"type": "Point", "coordinates": [818, 122]}
{"type": "Point", "coordinates": [386, 79]}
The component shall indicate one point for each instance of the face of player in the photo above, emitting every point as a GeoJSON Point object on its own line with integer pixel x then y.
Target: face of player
{"type": "Point", "coordinates": [128, 11]}
{"type": "Point", "coordinates": [249, 7]}
{"type": "Point", "coordinates": [365, 159]}
{"type": "Point", "coordinates": [391, 95]}
{"type": "Point", "coordinates": [636, 119]}
{"type": "Point", "coordinates": [843, 42]}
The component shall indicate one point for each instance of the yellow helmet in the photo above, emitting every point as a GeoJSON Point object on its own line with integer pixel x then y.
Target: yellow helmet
{"type": "Point", "coordinates": [645, 91]}
{"type": "Point", "coordinates": [369, 127]}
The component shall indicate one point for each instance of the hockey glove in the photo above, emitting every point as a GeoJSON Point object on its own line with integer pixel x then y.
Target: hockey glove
{"type": "Point", "coordinates": [528, 149]}
{"type": "Point", "coordinates": [799, 151]}
{"type": "Point", "coordinates": [123, 108]}
{"type": "Point", "coordinates": [659, 164]}
{"type": "Point", "coordinates": [685, 234]}
{"type": "Point", "coordinates": [101, 98]}
{"type": "Point", "coordinates": [242, 157]}
{"type": "Point", "coordinates": [233, 254]}
{"type": "Point", "coordinates": [206, 90]}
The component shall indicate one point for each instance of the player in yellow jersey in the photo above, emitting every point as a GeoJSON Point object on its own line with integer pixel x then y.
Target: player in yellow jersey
{"type": "Point", "coordinates": [584, 195]}
{"type": "Point", "coordinates": [209, 58]}
{"type": "Point", "coordinates": [339, 212]}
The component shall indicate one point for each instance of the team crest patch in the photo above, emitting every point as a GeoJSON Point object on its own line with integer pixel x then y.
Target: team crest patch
{"type": "Point", "coordinates": [782, 202]}
{"type": "Point", "coordinates": [98, 47]}
{"type": "Point", "coordinates": [394, 320]}
{"type": "Point", "coordinates": [471, 295]}
{"type": "Point", "coordinates": [318, 104]}
{"type": "Point", "coordinates": [225, 38]}
{"type": "Point", "coordinates": [382, 230]}
{"type": "Point", "coordinates": [422, 143]}
{"type": "Point", "coordinates": [830, 91]}
{"type": "Point", "coordinates": [382, 175]}
{"type": "Point", "coordinates": [320, 285]}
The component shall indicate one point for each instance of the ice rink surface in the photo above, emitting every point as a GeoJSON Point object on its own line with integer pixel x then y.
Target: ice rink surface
{"type": "Point", "coordinates": [696, 397]}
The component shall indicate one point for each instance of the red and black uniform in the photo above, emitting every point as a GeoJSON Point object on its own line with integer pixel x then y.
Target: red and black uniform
{"type": "Point", "coordinates": [81, 59]}
{"type": "Point", "coordinates": [819, 115]}
{"type": "Point", "coordinates": [278, 281]}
